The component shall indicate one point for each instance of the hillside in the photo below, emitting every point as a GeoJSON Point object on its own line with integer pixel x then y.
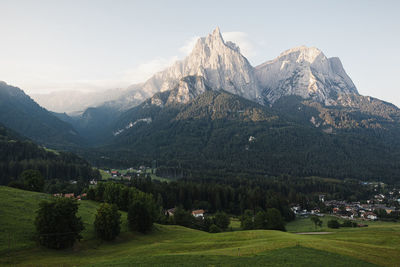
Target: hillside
{"type": "Point", "coordinates": [221, 132]}
{"type": "Point", "coordinates": [172, 245]}
{"type": "Point", "coordinates": [23, 115]}
{"type": "Point", "coordinates": [18, 154]}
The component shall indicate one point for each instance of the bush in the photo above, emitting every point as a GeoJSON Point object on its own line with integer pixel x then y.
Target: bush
{"type": "Point", "coordinates": [215, 229]}
{"type": "Point", "coordinates": [107, 224]}
{"type": "Point", "coordinates": [57, 225]}
{"type": "Point", "coordinates": [348, 223]}
{"type": "Point", "coordinates": [222, 220]}
{"type": "Point", "coordinates": [333, 224]}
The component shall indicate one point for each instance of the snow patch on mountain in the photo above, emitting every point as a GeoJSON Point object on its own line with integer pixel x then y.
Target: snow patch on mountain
{"type": "Point", "coordinates": [131, 124]}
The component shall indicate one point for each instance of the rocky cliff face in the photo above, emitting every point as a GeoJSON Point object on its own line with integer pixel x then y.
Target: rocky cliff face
{"type": "Point", "coordinates": [300, 71]}
{"type": "Point", "coordinates": [218, 62]}
{"type": "Point", "coordinates": [305, 72]}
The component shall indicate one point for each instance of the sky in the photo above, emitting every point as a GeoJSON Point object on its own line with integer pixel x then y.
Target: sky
{"type": "Point", "coordinates": [94, 45]}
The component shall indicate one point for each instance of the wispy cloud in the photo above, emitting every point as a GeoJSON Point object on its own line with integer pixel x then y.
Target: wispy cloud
{"type": "Point", "coordinates": [241, 39]}
{"type": "Point", "coordinates": [145, 70]}
{"type": "Point", "coordinates": [189, 45]}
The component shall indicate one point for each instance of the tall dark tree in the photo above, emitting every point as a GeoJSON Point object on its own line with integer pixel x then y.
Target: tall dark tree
{"type": "Point", "coordinates": [316, 221]}
{"type": "Point", "coordinates": [57, 224]}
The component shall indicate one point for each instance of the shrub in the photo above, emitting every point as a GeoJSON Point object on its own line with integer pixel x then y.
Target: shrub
{"type": "Point", "coordinates": [333, 224]}
{"type": "Point", "coordinates": [215, 229]}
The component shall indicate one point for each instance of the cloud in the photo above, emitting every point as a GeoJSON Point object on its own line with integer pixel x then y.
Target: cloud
{"type": "Point", "coordinates": [189, 45]}
{"type": "Point", "coordinates": [147, 69]}
{"type": "Point", "coordinates": [241, 39]}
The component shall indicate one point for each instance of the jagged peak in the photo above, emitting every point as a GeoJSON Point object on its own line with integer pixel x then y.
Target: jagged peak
{"type": "Point", "coordinates": [217, 32]}
{"type": "Point", "coordinates": [303, 53]}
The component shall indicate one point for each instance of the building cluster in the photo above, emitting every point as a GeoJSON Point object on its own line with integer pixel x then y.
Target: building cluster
{"type": "Point", "coordinates": [127, 174]}
{"type": "Point", "coordinates": [387, 204]}
{"type": "Point", "coordinates": [71, 195]}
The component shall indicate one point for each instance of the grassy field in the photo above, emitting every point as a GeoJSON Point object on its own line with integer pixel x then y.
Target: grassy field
{"type": "Point", "coordinates": [378, 244]}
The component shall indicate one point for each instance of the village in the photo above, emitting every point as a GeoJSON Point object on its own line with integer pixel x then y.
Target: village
{"type": "Point", "coordinates": [384, 204]}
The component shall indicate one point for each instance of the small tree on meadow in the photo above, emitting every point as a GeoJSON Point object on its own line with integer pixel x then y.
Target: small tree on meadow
{"type": "Point", "coordinates": [222, 220]}
{"type": "Point", "coordinates": [260, 220]}
{"type": "Point", "coordinates": [316, 221]}
{"type": "Point", "coordinates": [275, 220]}
{"type": "Point", "coordinates": [57, 225]}
{"type": "Point", "coordinates": [246, 220]}
{"type": "Point", "coordinates": [142, 213]}
{"type": "Point", "coordinates": [107, 224]}
{"type": "Point", "coordinates": [333, 224]}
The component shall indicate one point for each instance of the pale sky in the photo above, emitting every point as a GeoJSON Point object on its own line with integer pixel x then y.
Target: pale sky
{"type": "Point", "coordinates": [94, 45]}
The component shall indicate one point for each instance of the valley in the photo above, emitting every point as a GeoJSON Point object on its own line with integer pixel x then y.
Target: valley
{"type": "Point", "coordinates": [208, 161]}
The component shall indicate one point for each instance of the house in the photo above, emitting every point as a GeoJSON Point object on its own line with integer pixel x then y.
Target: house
{"type": "Point", "coordinates": [296, 209]}
{"type": "Point", "coordinates": [115, 173]}
{"type": "Point", "coordinates": [370, 216]}
{"type": "Point", "coordinates": [170, 212]}
{"type": "Point", "coordinates": [335, 210]}
{"type": "Point", "coordinates": [57, 195]}
{"type": "Point", "coordinates": [83, 196]}
{"type": "Point", "coordinates": [390, 210]}
{"type": "Point", "coordinates": [71, 195]}
{"type": "Point", "coordinates": [198, 213]}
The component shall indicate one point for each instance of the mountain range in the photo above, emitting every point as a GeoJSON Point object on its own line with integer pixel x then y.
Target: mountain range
{"type": "Point", "coordinates": [298, 114]}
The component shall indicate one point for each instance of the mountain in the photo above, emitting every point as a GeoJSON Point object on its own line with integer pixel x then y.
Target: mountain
{"type": "Point", "coordinates": [219, 133]}
{"type": "Point", "coordinates": [305, 72]}
{"type": "Point", "coordinates": [23, 115]}
{"type": "Point", "coordinates": [302, 71]}
{"type": "Point", "coordinates": [220, 63]}
{"type": "Point", "coordinates": [299, 114]}
{"type": "Point", "coordinates": [18, 153]}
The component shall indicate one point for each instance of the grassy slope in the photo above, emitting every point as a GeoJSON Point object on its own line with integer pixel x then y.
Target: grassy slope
{"type": "Point", "coordinates": [175, 245]}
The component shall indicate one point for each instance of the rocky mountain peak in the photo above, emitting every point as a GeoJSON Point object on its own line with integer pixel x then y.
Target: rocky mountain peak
{"type": "Point", "coordinates": [302, 54]}
{"type": "Point", "coordinates": [219, 63]}
{"type": "Point", "coordinates": [302, 71]}
{"type": "Point", "coordinates": [306, 72]}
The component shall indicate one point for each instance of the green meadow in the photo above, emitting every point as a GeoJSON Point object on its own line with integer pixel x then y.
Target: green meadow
{"type": "Point", "coordinates": [169, 245]}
